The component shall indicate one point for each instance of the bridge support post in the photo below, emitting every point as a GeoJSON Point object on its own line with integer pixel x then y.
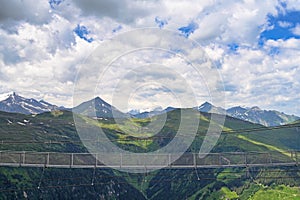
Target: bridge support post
{"type": "Point", "coordinates": [245, 159]}
{"type": "Point", "coordinates": [22, 158]}
{"type": "Point", "coordinates": [23, 161]}
{"type": "Point", "coordinates": [121, 160]}
{"type": "Point", "coordinates": [170, 162]}
{"type": "Point", "coordinates": [47, 159]}
{"type": "Point", "coordinates": [96, 160]}
{"type": "Point", "coordinates": [144, 162]}
{"type": "Point", "coordinates": [71, 160]}
{"type": "Point", "coordinates": [195, 160]}
{"type": "Point", "coordinates": [270, 158]}
{"type": "Point", "coordinates": [248, 172]}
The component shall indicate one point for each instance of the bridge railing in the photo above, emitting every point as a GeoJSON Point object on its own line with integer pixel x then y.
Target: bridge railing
{"type": "Point", "coordinates": [187, 160]}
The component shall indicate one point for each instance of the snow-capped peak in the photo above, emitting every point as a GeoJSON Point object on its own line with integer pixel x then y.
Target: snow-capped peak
{"type": "Point", "coordinates": [5, 96]}
{"type": "Point", "coordinates": [205, 105]}
{"type": "Point", "coordinates": [11, 102]}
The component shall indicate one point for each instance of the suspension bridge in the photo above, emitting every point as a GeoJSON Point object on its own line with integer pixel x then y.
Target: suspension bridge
{"type": "Point", "coordinates": [123, 161]}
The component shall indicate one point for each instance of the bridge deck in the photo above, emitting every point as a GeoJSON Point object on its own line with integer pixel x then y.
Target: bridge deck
{"type": "Point", "coordinates": [123, 161]}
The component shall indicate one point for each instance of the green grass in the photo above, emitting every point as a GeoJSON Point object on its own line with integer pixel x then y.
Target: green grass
{"type": "Point", "coordinates": [138, 133]}
{"type": "Point", "coordinates": [228, 194]}
{"type": "Point", "coordinates": [281, 192]}
{"type": "Point", "coordinates": [228, 174]}
{"type": "Point", "coordinates": [28, 133]}
{"type": "Point", "coordinates": [268, 146]}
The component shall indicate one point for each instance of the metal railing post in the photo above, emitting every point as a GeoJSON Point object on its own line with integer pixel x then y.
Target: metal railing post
{"type": "Point", "coordinates": [144, 162]}
{"type": "Point", "coordinates": [24, 157]}
{"type": "Point", "coordinates": [121, 160]}
{"type": "Point", "coordinates": [96, 160]}
{"type": "Point", "coordinates": [195, 160]}
{"type": "Point", "coordinates": [48, 159]}
{"type": "Point", "coordinates": [270, 159]}
{"type": "Point", "coordinates": [170, 162]}
{"type": "Point", "coordinates": [20, 159]}
{"type": "Point", "coordinates": [71, 160]}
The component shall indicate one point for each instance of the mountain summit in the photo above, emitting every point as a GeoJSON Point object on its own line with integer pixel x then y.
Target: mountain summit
{"type": "Point", "coordinates": [209, 108]}
{"type": "Point", "coordinates": [98, 108]}
{"type": "Point", "coordinates": [12, 102]}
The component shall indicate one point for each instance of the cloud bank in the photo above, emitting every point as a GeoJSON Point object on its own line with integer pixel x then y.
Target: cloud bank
{"type": "Point", "coordinates": [254, 44]}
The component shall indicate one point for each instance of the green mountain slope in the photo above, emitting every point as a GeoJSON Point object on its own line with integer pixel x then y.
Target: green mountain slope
{"type": "Point", "coordinates": [33, 133]}
{"type": "Point", "coordinates": [36, 132]}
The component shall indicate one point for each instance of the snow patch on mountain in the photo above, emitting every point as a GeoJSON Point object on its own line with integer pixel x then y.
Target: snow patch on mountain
{"type": "Point", "coordinates": [12, 102]}
{"type": "Point", "coordinates": [5, 96]}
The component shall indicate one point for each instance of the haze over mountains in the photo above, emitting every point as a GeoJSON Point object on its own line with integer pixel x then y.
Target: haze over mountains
{"type": "Point", "coordinates": [98, 108]}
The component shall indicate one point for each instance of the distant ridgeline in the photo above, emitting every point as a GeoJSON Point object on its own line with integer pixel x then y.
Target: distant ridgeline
{"type": "Point", "coordinates": [98, 108]}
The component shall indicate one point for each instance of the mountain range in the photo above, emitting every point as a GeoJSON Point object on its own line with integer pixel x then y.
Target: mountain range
{"type": "Point", "coordinates": [253, 114]}
{"type": "Point", "coordinates": [151, 113]}
{"type": "Point", "coordinates": [32, 133]}
{"type": "Point", "coordinates": [98, 108]}
{"type": "Point", "coordinates": [13, 103]}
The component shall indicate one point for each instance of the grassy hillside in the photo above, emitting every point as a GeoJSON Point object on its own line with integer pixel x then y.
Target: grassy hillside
{"type": "Point", "coordinates": [277, 193]}
{"type": "Point", "coordinates": [33, 133]}
{"type": "Point", "coordinates": [25, 132]}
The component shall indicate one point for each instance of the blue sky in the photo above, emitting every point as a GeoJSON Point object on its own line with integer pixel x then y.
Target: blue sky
{"type": "Point", "coordinates": [254, 44]}
{"type": "Point", "coordinates": [282, 26]}
{"type": "Point", "coordinates": [189, 29]}
{"type": "Point", "coordinates": [82, 32]}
